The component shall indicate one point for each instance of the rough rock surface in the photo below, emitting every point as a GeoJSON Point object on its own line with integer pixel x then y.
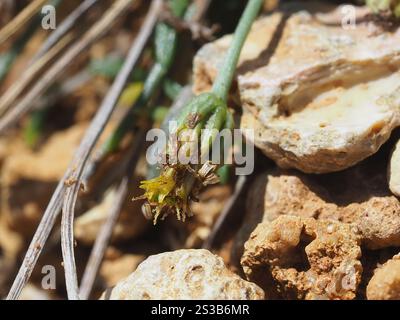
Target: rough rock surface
{"type": "Point", "coordinates": [394, 170]}
{"type": "Point", "coordinates": [303, 85]}
{"type": "Point", "coordinates": [385, 284]}
{"type": "Point", "coordinates": [184, 274]}
{"type": "Point", "coordinates": [304, 258]}
{"type": "Point", "coordinates": [358, 195]}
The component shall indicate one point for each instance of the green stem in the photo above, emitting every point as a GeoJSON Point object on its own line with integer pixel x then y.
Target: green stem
{"type": "Point", "coordinates": [151, 84]}
{"type": "Point", "coordinates": [224, 79]}
{"type": "Point", "coordinates": [165, 47]}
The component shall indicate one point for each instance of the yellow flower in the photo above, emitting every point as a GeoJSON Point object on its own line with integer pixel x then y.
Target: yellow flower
{"type": "Point", "coordinates": [157, 189]}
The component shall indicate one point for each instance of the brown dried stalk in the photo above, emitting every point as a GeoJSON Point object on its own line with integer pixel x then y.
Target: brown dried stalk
{"type": "Point", "coordinates": [201, 9]}
{"type": "Point", "coordinates": [99, 29]}
{"type": "Point", "coordinates": [10, 96]}
{"type": "Point", "coordinates": [67, 24]}
{"type": "Point", "coordinates": [25, 15]}
{"type": "Point", "coordinates": [54, 207]}
{"type": "Point", "coordinates": [56, 42]}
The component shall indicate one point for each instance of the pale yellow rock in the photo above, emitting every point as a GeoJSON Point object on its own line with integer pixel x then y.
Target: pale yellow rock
{"type": "Point", "coordinates": [184, 274]}
{"type": "Point", "coordinates": [320, 97]}
{"type": "Point", "coordinates": [394, 170]}
{"type": "Point", "coordinates": [385, 284]}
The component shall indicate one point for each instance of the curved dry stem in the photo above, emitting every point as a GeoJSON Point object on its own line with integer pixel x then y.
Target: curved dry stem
{"type": "Point", "coordinates": [83, 153]}
{"type": "Point", "coordinates": [227, 210]}
{"type": "Point", "coordinates": [86, 146]}
{"type": "Point", "coordinates": [67, 241]}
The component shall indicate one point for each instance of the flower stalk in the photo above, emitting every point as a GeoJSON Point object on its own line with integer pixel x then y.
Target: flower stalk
{"type": "Point", "coordinates": [178, 183]}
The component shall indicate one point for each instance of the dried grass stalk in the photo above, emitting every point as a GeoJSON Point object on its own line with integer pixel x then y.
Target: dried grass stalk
{"type": "Point", "coordinates": [99, 29]}
{"type": "Point", "coordinates": [25, 15]}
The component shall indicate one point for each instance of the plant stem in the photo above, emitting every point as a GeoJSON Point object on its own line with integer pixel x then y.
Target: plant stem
{"type": "Point", "coordinates": [151, 84]}
{"type": "Point", "coordinates": [25, 15]}
{"type": "Point", "coordinates": [52, 211]}
{"type": "Point", "coordinates": [165, 47]}
{"type": "Point", "coordinates": [177, 184]}
{"type": "Point", "coordinates": [224, 79]}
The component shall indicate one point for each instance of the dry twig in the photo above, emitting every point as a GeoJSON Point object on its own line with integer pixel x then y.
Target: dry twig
{"type": "Point", "coordinates": [24, 16]}
{"type": "Point", "coordinates": [104, 236]}
{"type": "Point", "coordinates": [99, 29]}
{"type": "Point", "coordinates": [98, 123]}
{"type": "Point", "coordinates": [64, 27]}
{"type": "Point", "coordinates": [10, 96]}
{"type": "Point", "coordinates": [77, 167]}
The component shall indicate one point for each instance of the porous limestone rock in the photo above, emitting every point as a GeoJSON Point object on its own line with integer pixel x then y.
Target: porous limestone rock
{"type": "Point", "coordinates": [385, 284]}
{"type": "Point", "coordinates": [394, 170]}
{"type": "Point", "coordinates": [184, 274]}
{"type": "Point", "coordinates": [359, 195]}
{"type": "Point", "coordinates": [317, 97]}
{"type": "Point", "coordinates": [304, 258]}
